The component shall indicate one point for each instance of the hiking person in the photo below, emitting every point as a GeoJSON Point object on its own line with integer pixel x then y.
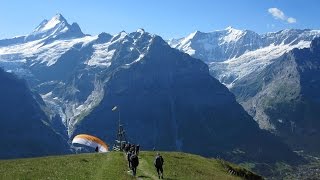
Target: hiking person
{"type": "Point", "coordinates": [126, 148]}
{"type": "Point", "coordinates": [97, 149]}
{"type": "Point", "coordinates": [123, 145]}
{"type": "Point", "coordinates": [129, 154]}
{"type": "Point", "coordinates": [132, 148]}
{"type": "Point", "coordinates": [158, 163]}
{"type": "Point", "coordinates": [137, 149]}
{"type": "Point", "coordinates": [134, 163]}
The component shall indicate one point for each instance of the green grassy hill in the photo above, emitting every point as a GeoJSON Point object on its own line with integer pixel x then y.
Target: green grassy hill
{"type": "Point", "coordinates": [113, 165]}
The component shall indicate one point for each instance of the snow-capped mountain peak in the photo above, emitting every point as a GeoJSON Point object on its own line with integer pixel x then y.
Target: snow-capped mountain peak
{"type": "Point", "coordinates": [57, 20]}
{"type": "Point", "coordinates": [54, 28]}
{"type": "Point", "coordinates": [121, 35]}
{"type": "Point", "coordinates": [229, 28]}
{"type": "Point", "coordinates": [232, 35]}
{"type": "Point", "coordinates": [140, 30]}
{"type": "Point", "coordinates": [123, 49]}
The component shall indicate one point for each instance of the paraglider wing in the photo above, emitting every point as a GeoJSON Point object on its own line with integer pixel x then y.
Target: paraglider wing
{"type": "Point", "coordinates": [91, 141]}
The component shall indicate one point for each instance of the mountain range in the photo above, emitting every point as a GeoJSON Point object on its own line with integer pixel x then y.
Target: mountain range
{"type": "Point", "coordinates": [168, 99]}
{"type": "Point", "coordinates": [273, 76]}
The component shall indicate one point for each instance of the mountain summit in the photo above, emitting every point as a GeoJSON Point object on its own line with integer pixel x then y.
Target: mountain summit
{"type": "Point", "coordinates": [56, 27]}
{"type": "Point", "coordinates": [217, 45]}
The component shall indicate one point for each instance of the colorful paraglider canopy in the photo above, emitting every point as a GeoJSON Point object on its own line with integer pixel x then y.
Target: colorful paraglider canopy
{"type": "Point", "coordinates": [91, 141]}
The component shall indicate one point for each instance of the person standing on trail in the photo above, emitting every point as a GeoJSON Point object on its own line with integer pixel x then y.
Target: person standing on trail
{"type": "Point", "coordinates": [158, 163]}
{"type": "Point", "coordinates": [134, 163]}
{"type": "Point", "coordinates": [128, 158]}
{"type": "Point", "coordinates": [123, 145]}
{"type": "Point", "coordinates": [126, 148]}
{"type": "Point", "coordinates": [97, 149]}
{"type": "Point", "coordinates": [132, 148]}
{"type": "Point", "coordinates": [137, 149]}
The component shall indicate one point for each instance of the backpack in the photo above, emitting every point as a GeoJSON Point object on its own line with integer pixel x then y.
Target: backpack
{"type": "Point", "coordinates": [129, 156]}
{"type": "Point", "coordinates": [158, 161]}
{"type": "Point", "coordinates": [134, 160]}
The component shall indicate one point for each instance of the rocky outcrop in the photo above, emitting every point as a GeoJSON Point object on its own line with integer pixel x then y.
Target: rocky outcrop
{"type": "Point", "coordinates": [24, 128]}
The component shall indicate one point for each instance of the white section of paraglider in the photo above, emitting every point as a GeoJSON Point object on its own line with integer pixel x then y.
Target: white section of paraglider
{"type": "Point", "coordinates": [90, 141]}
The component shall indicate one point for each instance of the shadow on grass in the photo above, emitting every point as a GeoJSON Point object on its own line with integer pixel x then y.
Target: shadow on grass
{"type": "Point", "coordinates": [142, 176]}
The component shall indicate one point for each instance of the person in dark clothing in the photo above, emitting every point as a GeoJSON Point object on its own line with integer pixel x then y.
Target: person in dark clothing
{"type": "Point", "coordinates": [129, 154]}
{"type": "Point", "coordinates": [132, 148]}
{"type": "Point", "coordinates": [137, 149]}
{"type": "Point", "coordinates": [97, 149]}
{"type": "Point", "coordinates": [158, 163]}
{"type": "Point", "coordinates": [134, 163]}
{"type": "Point", "coordinates": [123, 145]}
{"type": "Point", "coordinates": [126, 148]}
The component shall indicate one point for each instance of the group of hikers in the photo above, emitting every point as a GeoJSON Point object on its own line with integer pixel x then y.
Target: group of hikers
{"type": "Point", "coordinates": [132, 152]}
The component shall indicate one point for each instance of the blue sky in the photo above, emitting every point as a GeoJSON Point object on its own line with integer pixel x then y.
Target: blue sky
{"type": "Point", "coordinates": [168, 18]}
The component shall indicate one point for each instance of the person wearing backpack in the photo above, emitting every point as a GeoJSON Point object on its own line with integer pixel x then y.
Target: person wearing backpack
{"type": "Point", "coordinates": [129, 154]}
{"type": "Point", "coordinates": [134, 163]}
{"type": "Point", "coordinates": [158, 163]}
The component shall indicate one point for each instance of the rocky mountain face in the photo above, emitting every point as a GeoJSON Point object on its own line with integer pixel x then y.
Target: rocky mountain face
{"type": "Point", "coordinates": [167, 99]}
{"type": "Point", "coordinates": [24, 127]}
{"type": "Point", "coordinates": [232, 54]}
{"type": "Point", "coordinates": [284, 97]}
{"type": "Point", "coordinates": [273, 76]}
{"type": "Point", "coordinates": [218, 45]}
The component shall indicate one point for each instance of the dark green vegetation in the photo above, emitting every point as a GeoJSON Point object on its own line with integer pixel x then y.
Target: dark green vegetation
{"type": "Point", "coordinates": [113, 165]}
{"type": "Point", "coordinates": [308, 170]}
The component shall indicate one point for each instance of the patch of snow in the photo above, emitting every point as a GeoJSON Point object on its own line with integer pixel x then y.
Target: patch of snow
{"type": "Point", "coordinates": [65, 29]}
{"type": "Point", "coordinates": [118, 37]}
{"type": "Point", "coordinates": [52, 23]}
{"type": "Point", "coordinates": [174, 42]}
{"type": "Point", "coordinates": [139, 58]}
{"type": "Point", "coordinates": [135, 61]}
{"type": "Point", "coordinates": [252, 61]}
{"type": "Point", "coordinates": [233, 35]}
{"type": "Point", "coordinates": [188, 38]}
{"type": "Point", "coordinates": [39, 52]}
{"type": "Point", "coordinates": [141, 31]}
{"type": "Point", "coordinates": [74, 110]}
{"type": "Point", "coordinates": [102, 56]}
{"type": "Point", "coordinates": [46, 95]}
{"type": "Point", "coordinates": [188, 49]}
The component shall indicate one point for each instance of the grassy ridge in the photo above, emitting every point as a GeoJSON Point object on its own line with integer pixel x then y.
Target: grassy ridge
{"type": "Point", "coordinates": [112, 166]}
{"type": "Point", "coordinates": [184, 166]}
{"type": "Point", "coordinates": [84, 166]}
